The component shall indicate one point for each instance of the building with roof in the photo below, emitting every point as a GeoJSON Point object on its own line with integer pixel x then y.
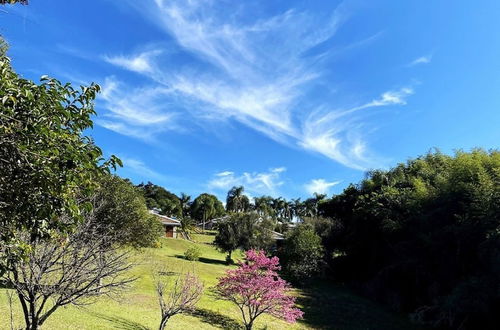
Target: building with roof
{"type": "Point", "coordinates": [170, 224]}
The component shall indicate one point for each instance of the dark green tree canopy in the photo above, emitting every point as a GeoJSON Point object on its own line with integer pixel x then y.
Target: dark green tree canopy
{"type": "Point", "coordinates": [424, 237]}
{"type": "Point", "coordinates": [158, 197]}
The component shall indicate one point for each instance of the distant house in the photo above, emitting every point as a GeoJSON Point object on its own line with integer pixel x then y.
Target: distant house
{"type": "Point", "coordinates": [212, 223]}
{"type": "Point", "coordinates": [169, 224]}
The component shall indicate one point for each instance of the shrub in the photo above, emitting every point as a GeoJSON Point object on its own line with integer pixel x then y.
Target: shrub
{"type": "Point", "coordinates": [193, 253]}
{"type": "Point", "coordinates": [302, 253]}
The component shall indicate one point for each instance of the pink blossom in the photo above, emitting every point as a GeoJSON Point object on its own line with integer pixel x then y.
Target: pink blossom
{"type": "Point", "coordinates": [256, 288]}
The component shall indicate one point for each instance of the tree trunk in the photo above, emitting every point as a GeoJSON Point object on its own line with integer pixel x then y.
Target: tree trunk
{"type": "Point", "coordinates": [163, 322]}
{"type": "Point", "coordinates": [249, 326]}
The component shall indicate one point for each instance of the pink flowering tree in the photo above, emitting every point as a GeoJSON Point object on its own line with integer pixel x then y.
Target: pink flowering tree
{"type": "Point", "coordinates": [256, 288]}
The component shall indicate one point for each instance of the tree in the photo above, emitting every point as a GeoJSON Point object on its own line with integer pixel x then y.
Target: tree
{"type": "Point", "coordinates": [47, 162]}
{"type": "Point", "coordinates": [121, 211]}
{"type": "Point", "coordinates": [227, 239]}
{"type": "Point", "coordinates": [11, 2]}
{"type": "Point", "coordinates": [185, 204]}
{"type": "Point", "coordinates": [298, 208]}
{"type": "Point", "coordinates": [183, 296]}
{"type": "Point", "coordinates": [243, 230]}
{"type": "Point", "coordinates": [206, 207]}
{"type": "Point", "coordinates": [236, 201]}
{"type": "Point", "coordinates": [187, 224]}
{"type": "Point", "coordinates": [160, 198]}
{"type": "Point", "coordinates": [263, 206]}
{"type": "Point", "coordinates": [301, 253]}
{"type": "Point", "coordinates": [423, 238]}
{"type": "Point", "coordinates": [63, 271]}
{"type": "Point", "coordinates": [256, 288]}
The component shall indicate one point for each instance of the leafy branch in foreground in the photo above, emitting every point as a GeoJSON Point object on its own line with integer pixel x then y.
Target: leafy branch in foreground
{"type": "Point", "coordinates": [47, 164]}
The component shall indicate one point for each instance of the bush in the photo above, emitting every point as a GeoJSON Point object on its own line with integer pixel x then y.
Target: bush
{"type": "Point", "coordinates": [193, 253]}
{"type": "Point", "coordinates": [302, 253]}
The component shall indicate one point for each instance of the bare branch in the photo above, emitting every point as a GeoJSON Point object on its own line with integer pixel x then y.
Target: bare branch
{"type": "Point", "coordinates": [182, 297]}
{"type": "Point", "coordinates": [68, 270]}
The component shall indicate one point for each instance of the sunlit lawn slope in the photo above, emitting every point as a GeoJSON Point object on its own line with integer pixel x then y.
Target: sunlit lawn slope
{"type": "Point", "coordinates": [326, 306]}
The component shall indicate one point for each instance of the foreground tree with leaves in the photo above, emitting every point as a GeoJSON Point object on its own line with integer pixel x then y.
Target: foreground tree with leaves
{"type": "Point", "coordinates": [182, 297]}
{"type": "Point", "coordinates": [256, 288]}
{"type": "Point", "coordinates": [47, 164]}
{"type": "Point", "coordinates": [67, 270]}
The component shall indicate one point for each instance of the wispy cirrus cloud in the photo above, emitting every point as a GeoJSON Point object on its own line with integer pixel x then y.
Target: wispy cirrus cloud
{"type": "Point", "coordinates": [255, 183]}
{"type": "Point", "coordinates": [255, 72]}
{"type": "Point", "coordinates": [320, 186]}
{"type": "Point", "coordinates": [337, 133]}
{"type": "Point", "coordinates": [421, 60]}
{"type": "Point", "coordinates": [137, 112]}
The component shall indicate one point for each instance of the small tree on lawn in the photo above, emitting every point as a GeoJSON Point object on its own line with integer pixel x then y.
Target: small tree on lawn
{"type": "Point", "coordinates": [182, 297]}
{"type": "Point", "coordinates": [256, 288]}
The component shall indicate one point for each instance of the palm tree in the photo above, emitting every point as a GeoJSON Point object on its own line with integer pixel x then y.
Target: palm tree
{"type": "Point", "coordinates": [236, 201]}
{"type": "Point", "coordinates": [263, 206]}
{"type": "Point", "coordinates": [287, 210]}
{"type": "Point", "coordinates": [185, 204]}
{"type": "Point", "coordinates": [187, 224]}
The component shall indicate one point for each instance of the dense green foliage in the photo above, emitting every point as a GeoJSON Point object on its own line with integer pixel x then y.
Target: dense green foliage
{"type": "Point", "coordinates": [424, 237]}
{"type": "Point", "coordinates": [245, 231]}
{"type": "Point", "coordinates": [47, 164]}
{"type": "Point", "coordinates": [120, 210]}
{"type": "Point", "coordinates": [301, 253]}
{"type": "Point", "coordinates": [162, 199]}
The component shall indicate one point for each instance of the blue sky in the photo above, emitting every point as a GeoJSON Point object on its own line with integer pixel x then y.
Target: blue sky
{"type": "Point", "coordinates": [284, 97]}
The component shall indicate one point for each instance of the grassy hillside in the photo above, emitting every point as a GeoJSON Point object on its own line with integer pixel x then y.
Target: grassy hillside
{"type": "Point", "coordinates": [325, 306]}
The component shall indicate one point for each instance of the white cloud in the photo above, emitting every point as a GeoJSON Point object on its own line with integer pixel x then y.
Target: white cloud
{"type": "Point", "coordinates": [255, 183]}
{"type": "Point", "coordinates": [421, 60]}
{"type": "Point", "coordinates": [320, 186]}
{"type": "Point", "coordinates": [137, 112]}
{"type": "Point", "coordinates": [336, 134]}
{"type": "Point", "coordinates": [257, 73]}
{"type": "Point", "coordinates": [139, 63]}
{"type": "Point", "coordinates": [226, 173]}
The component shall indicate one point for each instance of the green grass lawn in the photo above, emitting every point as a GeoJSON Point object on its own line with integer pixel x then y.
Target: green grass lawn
{"type": "Point", "coordinates": [325, 306]}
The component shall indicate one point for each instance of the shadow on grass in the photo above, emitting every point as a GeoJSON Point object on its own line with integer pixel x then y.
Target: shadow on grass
{"type": "Point", "coordinates": [216, 319]}
{"type": "Point", "coordinates": [330, 306]}
{"type": "Point", "coordinates": [206, 260]}
{"type": "Point", "coordinates": [120, 322]}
